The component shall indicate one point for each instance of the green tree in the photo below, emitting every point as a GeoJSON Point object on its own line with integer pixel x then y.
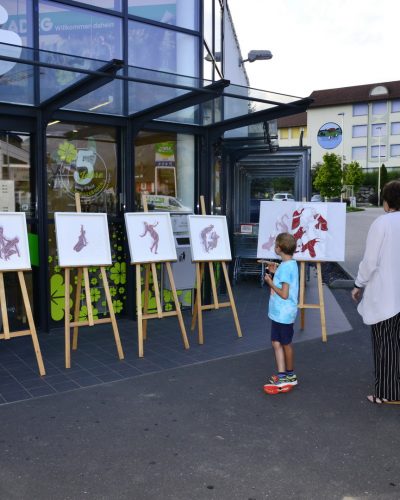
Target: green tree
{"type": "Point", "coordinates": [353, 175]}
{"type": "Point", "coordinates": [314, 171]}
{"type": "Point", "coordinates": [384, 175]}
{"type": "Point", "coordinates": [328, 179]}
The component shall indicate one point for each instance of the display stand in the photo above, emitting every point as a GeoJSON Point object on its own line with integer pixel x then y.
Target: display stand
{"type": "Point", "coordinates": [199, 307]}
{"type": "Point", "coordinates": [321, 304]}
{"type": "Point", "coordinates": [144, 315]}
{"type": "Point", "coordinates": [84, 271]}
{"type": "Point", "coordinates": [7, 335]}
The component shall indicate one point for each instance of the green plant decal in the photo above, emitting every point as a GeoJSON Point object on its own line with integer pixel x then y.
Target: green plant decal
{"type": "Point", "coordinates": [57, 297]}
{"type": "Point", "coordinates": [118, 306]}
{"type": "Point", "coordinates": [95, 294]}
{"type": "Point", "coordinates": [67, 152]}
{"type": "Point", "coordinates": [118, 273]}
{"type": "Point", "coordinates": [83, 314]}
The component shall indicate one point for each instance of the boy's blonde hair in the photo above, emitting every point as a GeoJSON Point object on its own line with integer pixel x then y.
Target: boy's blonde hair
{"type": "Point", "coordinates": [286, 242]}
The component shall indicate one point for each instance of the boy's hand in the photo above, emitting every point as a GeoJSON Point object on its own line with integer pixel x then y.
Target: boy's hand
{"type": "Point", "coordinates": [272, 266]}
{"type": "Point", "coordinates": [268, 279]}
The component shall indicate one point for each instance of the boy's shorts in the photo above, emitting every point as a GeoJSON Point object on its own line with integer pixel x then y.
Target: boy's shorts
{"type": "Point", "coordinates": [282, 332]}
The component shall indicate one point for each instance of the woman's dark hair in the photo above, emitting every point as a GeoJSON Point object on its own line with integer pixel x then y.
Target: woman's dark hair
{"type": "Point", "coordinates": [391, 194]}
{"type": "Point", "coordinates": [286, 242]}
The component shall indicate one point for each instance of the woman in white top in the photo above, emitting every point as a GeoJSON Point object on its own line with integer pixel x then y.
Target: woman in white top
{"type": "Point", "coordinates": [377, 288]}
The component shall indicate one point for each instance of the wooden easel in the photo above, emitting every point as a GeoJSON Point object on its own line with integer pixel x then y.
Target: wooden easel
{"type": "Point", "coordinates": [91, 321]}
{"type": "Point", "coordinates": [199, 307]}
{"type": "Point", "coordinates": [321, 304]}
{"type": "Point", "coordinates": [7, 335]}
{"type": "Point", "coordinates": [143, 316]}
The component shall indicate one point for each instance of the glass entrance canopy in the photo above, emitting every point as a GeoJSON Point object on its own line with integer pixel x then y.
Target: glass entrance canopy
{"type": "Point", "coordinates": [52, 81]}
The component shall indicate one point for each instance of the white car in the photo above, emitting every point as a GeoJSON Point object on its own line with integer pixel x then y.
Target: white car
{"type": "Point", "coordinates": [283, 197]}
{"type": "Point", "coordinates": [166, 203]}
{"type": "Point", "coordinates": [316, 197]}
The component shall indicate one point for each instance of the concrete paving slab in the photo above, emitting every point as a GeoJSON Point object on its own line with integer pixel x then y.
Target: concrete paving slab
{"type": "Point", "coordinates": [207, 431]}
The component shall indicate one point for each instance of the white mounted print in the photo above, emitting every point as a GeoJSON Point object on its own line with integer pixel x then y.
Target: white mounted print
{"type": "Point", "coordinates": [209, 238]}
{"type": "Point", "coordinates": [14, 248]}
{"type": "Point", "coordinates": [82, 239]}
{"type": "Point", "coordinates": [318, 228]}
{"type": "Point", "coordinates": [150, 237]}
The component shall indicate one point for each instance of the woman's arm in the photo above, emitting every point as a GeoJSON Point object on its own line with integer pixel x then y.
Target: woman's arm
{"type": "Point", "coordinates": [370, 261]}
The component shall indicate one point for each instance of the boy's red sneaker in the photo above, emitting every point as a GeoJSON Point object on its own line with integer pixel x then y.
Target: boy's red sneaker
{"type": "Point", "coordinates": [276, 389]}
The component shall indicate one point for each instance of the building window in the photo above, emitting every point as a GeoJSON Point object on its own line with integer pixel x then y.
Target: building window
{"type": "Point", "coordinates": [395, 150]}
{"type": "Point", "coordinates": [284, 133]}
{"type": "Point", "coordinates": [360, 109]}
{"type": "Point", "coordinates": [106, 4]}
{"type": "Point", "coordinates": [84, 33]}
{"type": "Point", "coordinates": [359, 130]}
{"type": "Point", "coordinates": [164, 165]}
{"type": "Point", "coordinates": [19, 12]}
{"type": "Point", "coordinates": [295, 132]}
{"type": "Point", "coordinates": [395, 128]}
{"type": "Point", "coordinates": [182, 13]}
{"type": "Point", "coordinates": [375, 151]}
{"type": "Point", "coordinates": [379, 108]}
{"type": "Point", "coordinates": [396, 106]}
{"type": "Point", "coordinates": [162, 49]}
{"type": "Point", "coordinates": [359, 153]}
{"type": "Point", "coordinates": [379, 90]}
{"type": "Point", "coordinates": [378, 129]}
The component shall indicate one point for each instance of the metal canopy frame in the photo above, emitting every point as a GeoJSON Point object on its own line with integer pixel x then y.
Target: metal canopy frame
{"type": "Point", "coordinates": [82, 87]}
{"type": "Point", "coordinates": [84, 76]}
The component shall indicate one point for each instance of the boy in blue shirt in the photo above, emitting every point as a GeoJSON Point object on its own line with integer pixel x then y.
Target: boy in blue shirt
{"type": "Point", "coordinates": [282, 311]}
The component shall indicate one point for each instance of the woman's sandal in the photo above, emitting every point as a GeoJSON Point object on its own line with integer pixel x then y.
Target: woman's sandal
{"type": "Point", "coordinates": [380, 401]}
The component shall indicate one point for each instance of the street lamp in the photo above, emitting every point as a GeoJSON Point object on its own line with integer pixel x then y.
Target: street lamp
{"type": "Point", "coordinates": [257, 55]}
{"type": "Point", "coordinates": [379, 165]}
{"type": "Point", "coordinates": [341, 161]}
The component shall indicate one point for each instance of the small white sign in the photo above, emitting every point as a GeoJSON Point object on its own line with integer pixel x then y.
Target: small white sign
{"type": "Point", "coordinates": [7, 196]}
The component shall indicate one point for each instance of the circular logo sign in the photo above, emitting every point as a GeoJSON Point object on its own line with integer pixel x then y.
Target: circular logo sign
{"type": "Point", "coordinates": [82, 171]}
{"type": "Point", "coordinates": [329, 135]}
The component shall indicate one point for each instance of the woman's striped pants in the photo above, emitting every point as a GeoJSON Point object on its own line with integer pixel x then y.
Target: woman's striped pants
{"type": "Point", "coordinates": [386, 347]}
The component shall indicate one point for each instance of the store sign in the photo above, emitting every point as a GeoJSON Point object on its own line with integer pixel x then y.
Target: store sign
{"type": "Point", "coordinates": [7, 196]}
{"type": "Point", "coordinates": [8, 37]}
{"type": "Point", "coordinates": [81, 171]}
{"type": "Point", "coordinates": [329, 135]}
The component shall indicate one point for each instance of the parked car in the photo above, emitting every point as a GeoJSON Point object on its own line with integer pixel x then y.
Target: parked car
{"type": "Point", "coordinates": [316, 197]}
{"type": "Point", "coordinates": [283, 197]}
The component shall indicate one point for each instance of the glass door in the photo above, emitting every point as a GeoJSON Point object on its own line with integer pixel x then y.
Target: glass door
{"type": "Point", "coordinates": [83, 159]}
{"type": "Point", "coordinates": [16, 195]}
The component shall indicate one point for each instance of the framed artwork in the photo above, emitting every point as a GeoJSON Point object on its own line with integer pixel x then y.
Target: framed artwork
{"type": "Point", "coordinates": [209, 238]}
{"type": "Point", "coordinates": [318, 228]}
{"type": "Point", "coordinates": [82, 239]}
{"type": "Point", "coordinates": [150, 237]}
{"type": "Point", "coordinates": [14, 247]}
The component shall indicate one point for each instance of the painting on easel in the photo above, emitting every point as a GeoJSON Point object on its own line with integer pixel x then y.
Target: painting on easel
{"type": "Point", "coordinates": [209, 238]}
{"type": "Point", "coordinates": [14, 248]}
{"type": "Point", "coordinates": [318, 228]}
{"type": "Point", "coordinates": [82, 239]}
{"type": "Point", "coordinates": [150, 237]}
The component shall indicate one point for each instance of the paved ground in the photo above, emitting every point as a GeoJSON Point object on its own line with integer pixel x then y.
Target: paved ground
{"type": "Point", "coordinates": [204, 429]}
{"type": "Point", "coordinates": [357, 225]}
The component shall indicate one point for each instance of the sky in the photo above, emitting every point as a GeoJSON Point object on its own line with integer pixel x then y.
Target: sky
{"type": "Point", "coordinates": [318, 44]}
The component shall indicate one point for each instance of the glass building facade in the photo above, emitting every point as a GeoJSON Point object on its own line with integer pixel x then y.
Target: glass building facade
{"type": "Point", "coordinates": [112, 99]}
